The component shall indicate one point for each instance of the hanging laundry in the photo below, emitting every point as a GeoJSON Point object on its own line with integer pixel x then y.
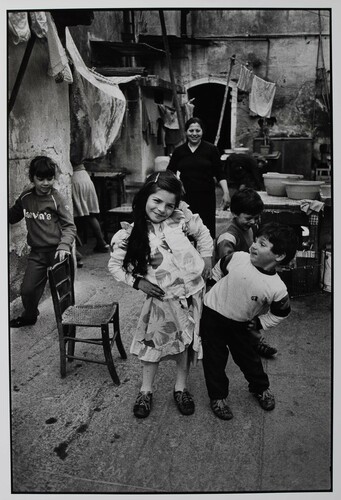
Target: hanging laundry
{"type": "Point", "coordinates": [19, 27]}
{"type": "Point", "coordinates": [245, 79]}
{"type": "Point", "coordinates": [169, 117]}
{"type": "Point", "coordinates": [189, 109]}
{"type": "Point", "coordinates": [171, 127]}
{"type": "Point", "coordinates": [97, 107]}
{"type": "Point", "coordinates": [59, 67]}
{"type": "Point", "coordinates": [146, 123]}
{"type": "Point", "coordinates": [261, 97]}
{"type": "Point", "coordinates": [160, 134]}
{"type": "Point", "coordinates": [39, 24]}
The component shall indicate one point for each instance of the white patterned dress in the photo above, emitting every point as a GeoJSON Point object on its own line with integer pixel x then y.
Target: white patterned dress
{"type": "Point", "coordinates": [168, 327]}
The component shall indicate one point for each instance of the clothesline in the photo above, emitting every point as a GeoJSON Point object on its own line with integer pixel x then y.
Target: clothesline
{"type": "Point", "coordinates": [261, 92]}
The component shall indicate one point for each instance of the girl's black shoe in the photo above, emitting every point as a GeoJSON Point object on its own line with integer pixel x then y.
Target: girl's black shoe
{"type": "Point", "coordinates": [184, 402]}
{"type": "Point", "coordinates": [143, 404]}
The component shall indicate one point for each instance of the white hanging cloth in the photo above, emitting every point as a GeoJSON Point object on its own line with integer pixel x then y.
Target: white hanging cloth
{"type": "Point", "coordinates": [245, 79]}
{"type": "Point", "coordinates": [261, 97]}
{"type": "Point", "coordinates": [97, 107]}
{"type": "Point", "coordinates": [19, 27]}
{"type": "Point", "coordinates": [58, 65]}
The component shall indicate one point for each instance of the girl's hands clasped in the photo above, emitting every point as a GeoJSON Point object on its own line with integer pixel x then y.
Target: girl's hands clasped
{"type": "Point", "coordinates": [150, 289]}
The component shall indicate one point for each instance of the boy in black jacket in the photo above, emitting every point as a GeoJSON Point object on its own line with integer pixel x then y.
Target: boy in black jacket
{"type": "Point", "coordinates": [50, 233]}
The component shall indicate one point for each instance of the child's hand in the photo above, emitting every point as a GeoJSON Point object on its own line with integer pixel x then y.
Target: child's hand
{"type": "Point", "coordinates": [252, 325]}
{"type": "Point", "coordinates": [206, 274]}
{"type": "Point", "coordinates": [151, 289]}
{"type": "Point", "coordinates": [60, 255]}
{"type": "Point", "coordinates": [226, 201]}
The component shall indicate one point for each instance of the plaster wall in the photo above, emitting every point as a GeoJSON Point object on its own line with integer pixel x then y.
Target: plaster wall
{"type": "Point", "coordinates": [38, 124]}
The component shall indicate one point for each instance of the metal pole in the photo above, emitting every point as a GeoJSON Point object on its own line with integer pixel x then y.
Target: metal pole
{"type": "Point", "coordinates": [21, 72]}
{"type": "Point", "coordinates": [169, 62]}
{"type": "Point", "coordinates": [232, 61]}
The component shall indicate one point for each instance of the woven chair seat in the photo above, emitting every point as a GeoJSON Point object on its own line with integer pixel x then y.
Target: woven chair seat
{"type": "Point", "coordinates": [89, 315]}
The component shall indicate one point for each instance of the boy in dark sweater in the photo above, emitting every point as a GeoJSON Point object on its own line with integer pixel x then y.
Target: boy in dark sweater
{"type": "Point", "coordinates": [50, 233]}
{"type": "Point", "coordinates": [248, 296]}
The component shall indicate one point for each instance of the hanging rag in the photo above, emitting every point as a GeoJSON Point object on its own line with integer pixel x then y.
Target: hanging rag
{"type": "Point", "coordinates": [171, 125]}
{"type": "Point", "coordinates": [189, 109]}
{"type": "Point", "coordinates": [261, 97]}
{"type": "Point", "coordinates": [309, 206]}
{"type": "Point", "coordinates": [146, 123]}
{"type": "Point", "coordinates": [160, 134]}
{"type": "Point", "coordinates": [245, 79]}
{"type": "Point", "coordinates": [19, 27]}
{"type": "Point", "coordinates": [97, 107]}
{"type": "Point", "coordinates": [169, 117]}
{"type": "Point", "coordinates": [39, 23]}
{"type": "Point", "coordinates": [59, 67]}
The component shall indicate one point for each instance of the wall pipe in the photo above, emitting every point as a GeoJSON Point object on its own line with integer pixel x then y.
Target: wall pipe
{"type": "Point", "coordinates": [21, 72]}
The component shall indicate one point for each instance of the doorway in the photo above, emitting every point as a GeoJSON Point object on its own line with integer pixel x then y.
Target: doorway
{"type": "Point", "coordinates": [207, 106]}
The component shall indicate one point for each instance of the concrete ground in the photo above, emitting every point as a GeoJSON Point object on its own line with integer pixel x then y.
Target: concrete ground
{"type": "Point", "coordinates": [78, 434]}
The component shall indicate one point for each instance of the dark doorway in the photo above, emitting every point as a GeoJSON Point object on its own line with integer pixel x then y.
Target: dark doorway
{"type": "Point", "coordinates": [207, 106]}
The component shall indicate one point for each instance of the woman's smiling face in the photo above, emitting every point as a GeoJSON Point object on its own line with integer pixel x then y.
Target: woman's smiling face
{"type": "Point", "coordinates": [194, 133]}
{"type": "Point", "coordinates": [160, 205]}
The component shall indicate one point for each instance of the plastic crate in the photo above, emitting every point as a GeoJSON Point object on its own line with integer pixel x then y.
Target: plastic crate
{"type": "Point", "coordinates": [302, 280]}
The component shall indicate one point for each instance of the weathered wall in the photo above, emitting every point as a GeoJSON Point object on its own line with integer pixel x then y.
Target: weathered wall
{"type": "Point", "coordinates": [280, 46]}
{"type": "Point", "coordinates": [38, 124]}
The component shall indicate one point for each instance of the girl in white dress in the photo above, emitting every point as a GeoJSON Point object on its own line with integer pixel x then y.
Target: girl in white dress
{"type": "Point", "coordinates": [155, 255]}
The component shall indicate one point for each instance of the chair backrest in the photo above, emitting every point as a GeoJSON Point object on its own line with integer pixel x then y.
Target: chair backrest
{"type": "Point", "coordinates": [61, 277]}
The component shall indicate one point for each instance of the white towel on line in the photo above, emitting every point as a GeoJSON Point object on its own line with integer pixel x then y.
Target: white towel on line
{"type": "Point", "coordinates": [261, 97]}
{"type": "Point", "coordinates": [245, 79]}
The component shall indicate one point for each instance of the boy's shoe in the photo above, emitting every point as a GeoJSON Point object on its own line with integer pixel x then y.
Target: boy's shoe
{"type": "Point", "coordinates": [221, 409]}
{"type": "Point", "coordinates": [184, 402]}
{"type": "Point", "coordinates": [22, 321]}
{"type": "Point", "coordinates": [266, 400]}
{"type": "Point", "coordinates": [143, 404]}
{"type": "Point", "coordinates": [264, 349]}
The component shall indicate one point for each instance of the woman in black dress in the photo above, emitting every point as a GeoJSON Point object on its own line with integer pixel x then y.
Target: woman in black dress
{"type": "Point", "coordinates": [199, 165]}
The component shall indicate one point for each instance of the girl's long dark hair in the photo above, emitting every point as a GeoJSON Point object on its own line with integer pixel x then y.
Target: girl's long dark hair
{"type": "Point", "coordinates": [138, 249]}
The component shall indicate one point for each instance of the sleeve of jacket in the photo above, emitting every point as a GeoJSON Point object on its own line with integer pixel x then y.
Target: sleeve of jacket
{"type": "Point", "coordinates": [118, 250]}
{"type": "Point", "coordinates": [68, 227]}
{"type": "Point", "coordinates": [226, 245]}
{"type": "Point", "coordinates": [198, 230]}
{"type": "Point", "coordinates": [16, 212]}
{"type": "Point", "coordinates": [279, 310]}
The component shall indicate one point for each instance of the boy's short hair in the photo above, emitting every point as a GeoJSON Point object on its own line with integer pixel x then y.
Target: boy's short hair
{"type": "Point", "coordinates": [246, 201]}
{"type": "Point", "coordinates": [283, 238]}
{"type": "Point", "coordinates": [42, 166]}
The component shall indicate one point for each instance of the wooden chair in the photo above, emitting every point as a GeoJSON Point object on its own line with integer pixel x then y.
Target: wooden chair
{"type": "Point", "coordinates": [69, 316]}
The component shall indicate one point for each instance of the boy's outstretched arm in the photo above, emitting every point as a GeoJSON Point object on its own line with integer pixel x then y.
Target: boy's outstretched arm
{"type": "Point", "coordinates": [278, 311]}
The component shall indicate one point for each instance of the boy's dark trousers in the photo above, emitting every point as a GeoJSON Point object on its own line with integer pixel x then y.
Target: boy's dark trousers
{"type": "Point", "coordinates": [220, 335]}
{"type": "Point", "coordinates": [34, 281]}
